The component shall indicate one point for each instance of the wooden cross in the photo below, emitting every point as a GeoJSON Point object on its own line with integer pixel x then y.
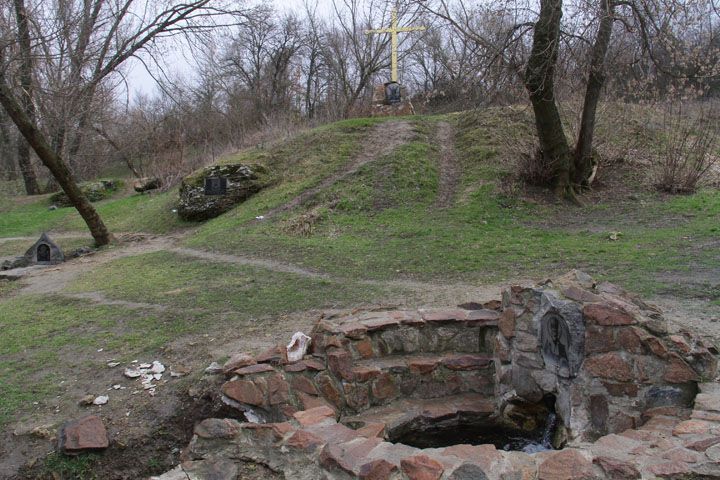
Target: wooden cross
{"type": "Point", "coordinates": [394, 30]}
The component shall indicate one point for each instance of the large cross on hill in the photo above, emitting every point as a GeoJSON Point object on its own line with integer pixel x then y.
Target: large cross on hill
{"type": "Point", "coordinates": [394, 30]}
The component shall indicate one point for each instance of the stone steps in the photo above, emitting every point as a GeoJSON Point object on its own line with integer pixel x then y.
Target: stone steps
{"type": "Point", "coordinates": [381, 380]}
{"type": "Point", "coordinates": [385, 333]}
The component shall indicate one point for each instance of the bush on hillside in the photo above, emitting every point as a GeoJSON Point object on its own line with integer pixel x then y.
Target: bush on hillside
{"type": "Point", "coordinates": [690, 153]}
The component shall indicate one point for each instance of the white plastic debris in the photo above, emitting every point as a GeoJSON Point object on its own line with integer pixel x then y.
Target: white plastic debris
{"type": "Point", "coordinates": [132, 373]}
{"type": "Point", "coordinates": [260, 217]}
{"type": "Point", "coordinates": [297, 348]}
{"type": "Point", "coordinates": [113, 364]}
{"type": "Point", "coordinates": [157, 367]}
{"type": "Point", "coordinates": [101, 400]}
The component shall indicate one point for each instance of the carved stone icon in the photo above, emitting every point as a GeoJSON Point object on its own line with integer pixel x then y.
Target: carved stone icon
{"type": "Point", "coordinates": [555, 339]}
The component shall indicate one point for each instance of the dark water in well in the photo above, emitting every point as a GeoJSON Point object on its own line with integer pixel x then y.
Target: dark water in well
{"type": "Point", "coordinates": [502, 437]}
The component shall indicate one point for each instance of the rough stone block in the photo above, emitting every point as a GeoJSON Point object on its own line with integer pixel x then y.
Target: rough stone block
{"type": "Point", "coordinates": [611, 366]}
{"type": "Point", "coordinates": [421, 467]}
{"type": "Point", "coordinates": [85, 434]}
{"type": "Point", "coordinates": [568, 464]}
{"type": "Point", "coordinates": [244, 391]}
{"type": "Point", "coordinates": [314, 416]}
{"type": "Point", "coordinates": [606, 315]}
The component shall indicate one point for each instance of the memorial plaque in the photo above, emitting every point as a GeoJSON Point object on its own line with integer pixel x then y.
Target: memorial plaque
{"type": "Point", "coordinates": [43, 253]}
{"type": "Point", "coordinates": [393, 93]}
{"type": "Point", "coordinates": [215, 186]}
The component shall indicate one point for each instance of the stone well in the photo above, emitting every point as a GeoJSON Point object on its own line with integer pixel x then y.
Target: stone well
{"type": "Point", "coordinates": [630, 399]}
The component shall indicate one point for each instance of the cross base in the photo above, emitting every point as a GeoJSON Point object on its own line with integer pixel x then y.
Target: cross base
{"type": "Point", "coordinates": [391, 100]}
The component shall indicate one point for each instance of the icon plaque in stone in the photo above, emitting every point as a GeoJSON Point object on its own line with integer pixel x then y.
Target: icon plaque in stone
{"type": "Point", "coordinates": [393, 93]}
{"type": "Point", "coordinates": [215, 186]}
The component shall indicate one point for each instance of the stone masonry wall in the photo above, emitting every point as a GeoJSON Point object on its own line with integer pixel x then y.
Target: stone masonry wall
{"type": "Point", "coordinates": [619, 363]}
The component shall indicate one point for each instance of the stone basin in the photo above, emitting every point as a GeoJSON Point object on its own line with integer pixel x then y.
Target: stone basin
{"type": "Point", "coordinates": [631, 400]}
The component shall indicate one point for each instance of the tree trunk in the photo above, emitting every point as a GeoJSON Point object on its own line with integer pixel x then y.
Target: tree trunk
{"type": "Point", "coordinates": [539, 81]}
{"type": "Point", "coordinates": [55, 164]}
{"type": "Point", "coordinates": [23, 149]}
{"type": "Point", "coordinates": [6, 155]}
{"type": "Point", "coordinates": [596, 79]}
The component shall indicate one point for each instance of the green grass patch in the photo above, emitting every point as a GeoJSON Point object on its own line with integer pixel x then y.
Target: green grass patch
{"type": "Point", "coordinates": [135, 213]}
{"type": "Point", "coordinates": [380, 224]}
{"type": "Point", "coordinates": [216, 288]}
{"type": "Point", "coordinates": [78, 467]}
{"type": "Point", "coordinates": [7, 287]}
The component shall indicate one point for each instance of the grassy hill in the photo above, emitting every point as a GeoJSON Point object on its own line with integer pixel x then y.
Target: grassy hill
{"type": "Point", "coordinates": [382, 221]}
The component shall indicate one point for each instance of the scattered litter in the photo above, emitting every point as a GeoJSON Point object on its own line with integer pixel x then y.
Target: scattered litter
{"type": "Point", "coordinates": [147, 373]}
{"type": "Point", "coordinates": [260, 217]}
{"type": "Point", "coordinates": [100, 350]}
{"type": "Point", "coordinates": [297, 347]}
{"type": "Point", "coordinates": [615, 236]}
{"type": "Point", "coordinates": [113, 364]}
{"type": "Point", "coordinates": [101, 400]}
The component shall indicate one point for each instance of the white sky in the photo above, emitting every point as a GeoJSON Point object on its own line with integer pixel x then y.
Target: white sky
{"type": "Point", "coordinates": [141, 82]}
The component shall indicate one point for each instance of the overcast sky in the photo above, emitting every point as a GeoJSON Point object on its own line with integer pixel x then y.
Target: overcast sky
{"type": "Point", "coordinates": [141, 82]}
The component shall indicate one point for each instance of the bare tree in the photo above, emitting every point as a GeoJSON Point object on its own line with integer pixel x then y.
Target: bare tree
{"type": "Point", "coordinates": [26, 95]}
{"type": "Point", "coordinates": [98, 37]}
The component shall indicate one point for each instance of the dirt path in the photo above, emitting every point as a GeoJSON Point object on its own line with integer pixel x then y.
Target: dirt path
{"type": "Point", "coordinates": [449, 168]}
{"type": "Point", "coordinates": [249, 261]}
{"type": "Point", "coordinates": [376, 145]}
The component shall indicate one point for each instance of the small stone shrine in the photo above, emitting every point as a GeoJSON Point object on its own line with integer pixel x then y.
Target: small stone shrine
{"type": "Point", "coordinates": [212, 191]}
{"type": "Point", "coordinates": [588, 371]}
{"type": "Point", "coordinates": [44, 252]}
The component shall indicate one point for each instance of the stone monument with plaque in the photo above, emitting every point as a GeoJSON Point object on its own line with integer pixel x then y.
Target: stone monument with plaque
{"type": "Point", "coordinates": [214, 190]}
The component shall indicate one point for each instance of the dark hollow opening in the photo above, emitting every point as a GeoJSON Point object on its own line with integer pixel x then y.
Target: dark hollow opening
{"type": "Point", "coordinates": [43, 253]}
{"type": "Point", "coordinates": [528, 428]}
{"type": "Point", "coordinates": [502, 436]}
